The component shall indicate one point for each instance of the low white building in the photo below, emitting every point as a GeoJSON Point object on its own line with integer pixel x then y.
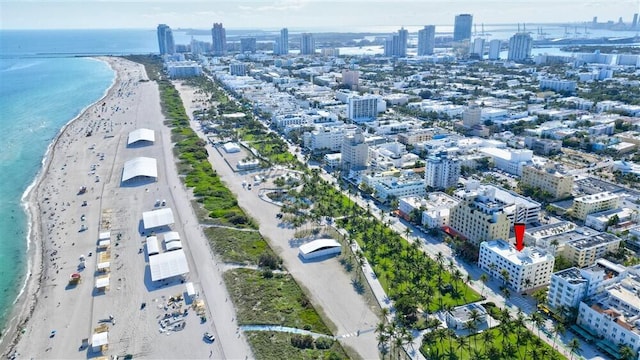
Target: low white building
{"type": "Point", "coordinates": [435, 208]}
{"type": "Point", "coordinates": [600, 220]}
{"type": "Point", "coordinates": [510, 161]}
{"type": "Point", "coordinates": [526, 269]}
{"type": "Point", "coordinates": [183, 69]}
{"type": "Point", "coordinates": [459, 317]}
{"type": "Point", "coordinates": [570, 286]}
{"type": "Point", "coordinates": [613, 315]}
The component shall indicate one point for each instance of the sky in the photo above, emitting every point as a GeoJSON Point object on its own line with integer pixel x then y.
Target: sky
{"type": "Point", "coordinates": [299, 14]}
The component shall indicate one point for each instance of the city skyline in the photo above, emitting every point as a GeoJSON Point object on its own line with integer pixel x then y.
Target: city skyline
{"type": "Point", "coordinates": [300, 14]}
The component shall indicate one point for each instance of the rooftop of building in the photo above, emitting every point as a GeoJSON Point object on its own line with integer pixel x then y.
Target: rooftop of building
{"type": "Point", "coordinates": [572, 275]}
{"type": "Point", "coordinates": [551, 229]}
{"type": "Point", "coordinates": [575, 234]}
{"type": "Point", "coordinates": [529, 255]}
{"type": "Point", "coordinates": [592, 241]}
{"type": "Point", "coordinates": [463, 313]}
{"type": "Point", "coordinates": [603, 196]}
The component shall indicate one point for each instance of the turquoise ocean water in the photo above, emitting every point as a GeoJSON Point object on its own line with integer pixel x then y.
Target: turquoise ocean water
{"type": "Point", "coordinates": [41, 89]}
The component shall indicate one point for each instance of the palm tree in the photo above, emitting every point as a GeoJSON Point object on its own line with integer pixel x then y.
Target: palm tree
{"type": "Point", "coordinates": [538, 320]}
{"type": "Point", "coordinates": [626, 352]}
{"type": "Point", "coordinates": [484, 278]}
{"type": "Point", "coordinates": [574, 347]}
{"type": "Point", "coordinates": [461, 341]}
{"type": "Point", "coordinates": [558, 328]}
{"type": "Point", "coordinates": [505, 276]}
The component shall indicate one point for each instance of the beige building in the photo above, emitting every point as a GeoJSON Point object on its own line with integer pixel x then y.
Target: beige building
{"type": "Point", "coordinates": [549, 179]}
{"type": "Point", "coordinates": [416, 136]}
{"type": "Point", "coordinates": [585, 252]}
{"type": "Point", "coordinates": [479, 219]}
{"type": "Point", "coordinates": [472, 116]}
{"type": "Point", "coordinates": [589, 204]}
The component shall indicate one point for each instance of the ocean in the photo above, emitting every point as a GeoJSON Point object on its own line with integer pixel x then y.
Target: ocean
{"type": "Point", "coordinates": [39, 94]}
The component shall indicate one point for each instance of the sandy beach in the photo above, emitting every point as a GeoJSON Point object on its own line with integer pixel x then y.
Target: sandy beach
{"type": "Point", "coordinates": [53, 317]}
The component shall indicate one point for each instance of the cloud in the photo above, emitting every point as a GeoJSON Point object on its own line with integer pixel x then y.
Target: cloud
{"type": "Point", "coordinates": [281, 5]}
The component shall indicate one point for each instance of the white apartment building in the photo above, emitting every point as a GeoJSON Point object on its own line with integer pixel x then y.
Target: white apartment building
{"type": "Point", "coordinates": [362, 108]}
{"type": "Point", "coordinates": [183, 69]}
{"type": "Point", "coordinates": [438, 210]}
{"type": "Point", "coordinates": [542, 236]}
{"type": "Point", "coordinates": [517, 208]}
{"type": "Point", "coordinates": [327, 137]}
{"type": "Point", "coordinates": [441, 172]}
{"type": "Point", "coordinates": [527, 269]}
{"type": "Point", "coordinates": [435, 207]}
{"type": "Point", "coordinates": [355, 152]}
{"type": "Point", "coordinates": [600, 220]}
{"type": "Point", "coordinates": [558, 85]}
{"type": "Point", "coordinates": [570, 286]}
{"type": "Point", "coordinates": [614, 314]}
{"type": "Point", "coordinates": [511, 161]}
{"type": "Point", "coordinates": [392, 187]}
{"type": "Point", "coordinates": [238, 69]}
{"type": "Point", "coordinates": [589, 204]}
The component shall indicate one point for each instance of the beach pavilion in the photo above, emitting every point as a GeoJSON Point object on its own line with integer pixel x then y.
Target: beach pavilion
{"type": "Point", "coordinates": [319, 248]}
{"type": "Point", "coordinates": [168, 265]}
{"type": "Point", "coordinates": [172, 241]}
{"type": "Point", "coordinates": [140, 167]}
{"type": "Point", "coordinates": [156, 218]}
{"type": "Point", "coordinates": [137, 135]}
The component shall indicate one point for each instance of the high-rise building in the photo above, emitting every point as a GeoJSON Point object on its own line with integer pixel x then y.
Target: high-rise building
{"type": "Point", "coordinates": [462, 27]}
{"type": "Point", "coordinates": [307, 44]}
{"type": "Point", "coordinates": [441, 171]}
{"type": "Point", "coordinates": [426, 40]}
{"type": "Point", "coordinates": [165, 40]}
{"type": "Point", "coordinates": [248, 45]}
{"type": "Point", "coordinates": [494, 49]}
{"type": "Point", "coordinates": [362, 108]}
{"type": "Point", "coordinates": [350, 77]}
{"type": "Point", "coordinates": [396, 45]}
{"type": "Point", "coordinates": [472, 115]}
{"type": "Point", "coordinates": [355, 152]}
{"type": "Point", "coordinates": [520, 47]}
{"type": "Point", "coordinates": [219, 39]}
{"type": "Point", "coordinates": [284, 41]}
{"type": "Point", "coordinates": [477, 49]}
{"type": "Point", "coordinates": [480, 218]}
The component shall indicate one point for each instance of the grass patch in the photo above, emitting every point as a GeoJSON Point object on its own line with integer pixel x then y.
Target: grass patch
{"type": "Point", "coordinates": [276, 300]}
{"type": "Point", "coordinates": [277, 345]}
{"type": "Point", "coordinates": [237, 246]}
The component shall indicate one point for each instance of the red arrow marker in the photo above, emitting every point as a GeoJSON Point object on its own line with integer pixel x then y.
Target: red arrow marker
{"type": "Point", "coordinates": [518, 228]}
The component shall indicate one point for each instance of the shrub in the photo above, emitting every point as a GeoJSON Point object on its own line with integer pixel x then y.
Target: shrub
{"type": "Point", "coordinates": [324, 342]}
{"type": "Point", "coordinates": [302, 341]}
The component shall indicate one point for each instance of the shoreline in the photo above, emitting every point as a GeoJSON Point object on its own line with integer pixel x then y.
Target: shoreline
{"type": "Point", "coordinates": [27, 299]}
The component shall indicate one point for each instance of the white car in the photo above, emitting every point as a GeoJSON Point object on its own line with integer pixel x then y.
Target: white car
{"type": "Point", "coordinates": [209, 337]}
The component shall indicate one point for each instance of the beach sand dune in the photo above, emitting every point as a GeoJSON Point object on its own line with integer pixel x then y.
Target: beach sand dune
{"type": "Point", "coordinates": [53, 317]}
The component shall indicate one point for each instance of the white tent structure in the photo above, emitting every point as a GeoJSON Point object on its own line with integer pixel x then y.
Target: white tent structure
{"type": "Point", "coordinates": [168, 264]}
{"type": "Point", "coordinates": [141, 135]}
{"type": "Point", "coordinates": [104, 266]}
{"type": "Point", "coordinates": [140, 166]}
{"type": "Point", "coordinates": [231, 147]}
{"type": "Point", "coordinates": [173, 245]}
{"type": "Point", "coordinates": [319, 248]}
{"type": "Point", "coordinates": [171, 236]}
{"type": "Point", "coordinates": [104, 244]}
{"type": "Point", "coordinates": [102, 282]}
{"type": "Point", "coordinates": [156, 218]}
{"type": "Point", "coordinates": [98, 340]}
{"type": "Point", "coordinates": [104, 235]}
{"type": "Point", "coordinates": [152, 246]}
